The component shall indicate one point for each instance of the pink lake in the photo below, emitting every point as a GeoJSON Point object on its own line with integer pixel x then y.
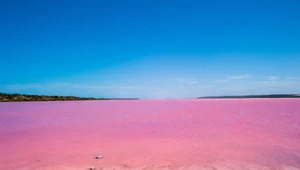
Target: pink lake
{"type": "Point", "coordinates": [218, 134]}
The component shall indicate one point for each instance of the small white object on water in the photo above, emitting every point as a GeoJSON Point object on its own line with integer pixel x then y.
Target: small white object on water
{"type": "Point", "coordinates": [99, 157]}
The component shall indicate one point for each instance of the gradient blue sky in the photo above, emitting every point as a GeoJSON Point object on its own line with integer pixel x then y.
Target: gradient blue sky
{"type": "Point", "coordinates": [150, 48]}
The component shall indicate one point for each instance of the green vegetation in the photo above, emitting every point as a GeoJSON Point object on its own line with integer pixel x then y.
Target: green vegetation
{"type": "Point", "coordinates": [4, 97]}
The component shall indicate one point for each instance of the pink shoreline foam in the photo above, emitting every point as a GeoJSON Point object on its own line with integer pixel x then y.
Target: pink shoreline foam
{"type": "Point", "coordinates": [151, 134]}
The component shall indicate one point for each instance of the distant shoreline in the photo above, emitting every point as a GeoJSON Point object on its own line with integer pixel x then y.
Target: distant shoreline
{"type": "Point", "coordinates": [5, 97]}
{"type": "Point", "coordinates": [253, 96]}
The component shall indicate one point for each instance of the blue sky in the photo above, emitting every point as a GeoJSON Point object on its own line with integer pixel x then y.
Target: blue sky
{"type": "Point", "coordinates": [150, 49]}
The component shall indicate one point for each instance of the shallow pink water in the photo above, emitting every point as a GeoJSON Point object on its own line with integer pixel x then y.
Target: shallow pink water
{"type": "Point", "coordinates": [151, 134]}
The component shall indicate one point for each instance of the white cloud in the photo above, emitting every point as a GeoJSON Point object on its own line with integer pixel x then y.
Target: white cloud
{"type": "Point", "coordinates": [246, 76]}
{"type": "Point", "coordinates": [221, 81]}
{"type": "Point", "coordinates": [259, 85]}
{"type": "Point", "coordinates": [272, 78]}
{"type": "Point", "coordinates": [292, 78]}
{"type": "Point", "coordinates": [276, 83]}
{"type": "Point", "coordinates": [70, 85]}
{"type": "Point", "coordinates": [22, 86]}
{"type": "Point", "coordinates": [277, 86]}
{"type": "Point", "coordinates": [110, 86]}
{"type": "Point", "coordinates": [172, 88]}
{"type": "Point", "coordinates": [239, 77]}
{"type": "Point", "coordinates": [186, 80]}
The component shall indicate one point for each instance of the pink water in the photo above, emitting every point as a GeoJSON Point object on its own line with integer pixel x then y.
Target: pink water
{"type": "Point", "coordinates": [151, 134]}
